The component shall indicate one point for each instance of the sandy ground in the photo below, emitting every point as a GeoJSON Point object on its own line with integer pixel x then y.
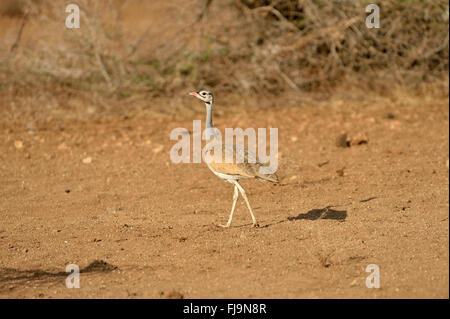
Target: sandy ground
{"type": "Point", "coordinates": [140, 226]}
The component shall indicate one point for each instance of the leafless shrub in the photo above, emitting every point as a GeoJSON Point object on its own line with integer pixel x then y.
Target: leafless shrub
{"type": "Point", "coordinates": [313, 43]}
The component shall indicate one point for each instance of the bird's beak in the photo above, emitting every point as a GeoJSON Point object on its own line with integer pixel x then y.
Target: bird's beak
{"type": "Point", "coordinates": [194, 94]}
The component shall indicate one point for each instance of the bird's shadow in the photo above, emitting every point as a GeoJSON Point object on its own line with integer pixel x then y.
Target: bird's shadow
{"type": "Point", "coordinates": [314, 214]}
{"type": "Point", "coordinates": [321, 213]}
{"type": "Point", "coordinates": [20, 277]}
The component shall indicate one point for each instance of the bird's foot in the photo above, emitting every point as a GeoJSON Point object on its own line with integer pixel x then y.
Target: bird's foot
{"type": "Point", "coordinates": [224, 226]}
{"type": "Point", "coordinates": [255, 225]}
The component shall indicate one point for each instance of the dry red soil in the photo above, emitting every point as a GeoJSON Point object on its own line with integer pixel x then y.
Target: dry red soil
{"type": "Point", "coordinates": [103, 194]}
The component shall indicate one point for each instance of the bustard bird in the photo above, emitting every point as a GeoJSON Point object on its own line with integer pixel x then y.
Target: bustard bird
{"type": "Point", "coordinates": [233, 171]}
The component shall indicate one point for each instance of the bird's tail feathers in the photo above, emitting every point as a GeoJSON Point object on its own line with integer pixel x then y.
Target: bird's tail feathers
{"type": "Point", "coordinates": [268, 177]}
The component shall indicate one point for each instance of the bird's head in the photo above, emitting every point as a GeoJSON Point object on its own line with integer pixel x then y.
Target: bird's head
{"type": "Point", "coordinates": [204, 95]}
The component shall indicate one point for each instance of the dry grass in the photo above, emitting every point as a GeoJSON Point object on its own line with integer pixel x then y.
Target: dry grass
{"type": "Point", "coordinates": [126, 48]}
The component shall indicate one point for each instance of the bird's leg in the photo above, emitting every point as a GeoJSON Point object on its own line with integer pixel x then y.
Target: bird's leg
{"type": "Point", "coordinates": [255, 223]}
{"type": "Point", "coordinates": [235, 197]}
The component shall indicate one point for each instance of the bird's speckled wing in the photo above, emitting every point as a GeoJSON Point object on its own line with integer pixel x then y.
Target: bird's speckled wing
{"type": "Point", "coordinates": [249, 167]}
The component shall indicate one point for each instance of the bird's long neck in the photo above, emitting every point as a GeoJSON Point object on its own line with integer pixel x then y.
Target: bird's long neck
{"type": "Point", "coordinates": [209, 130]}
{"type": "Point", "coordinates": [209, 122]}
